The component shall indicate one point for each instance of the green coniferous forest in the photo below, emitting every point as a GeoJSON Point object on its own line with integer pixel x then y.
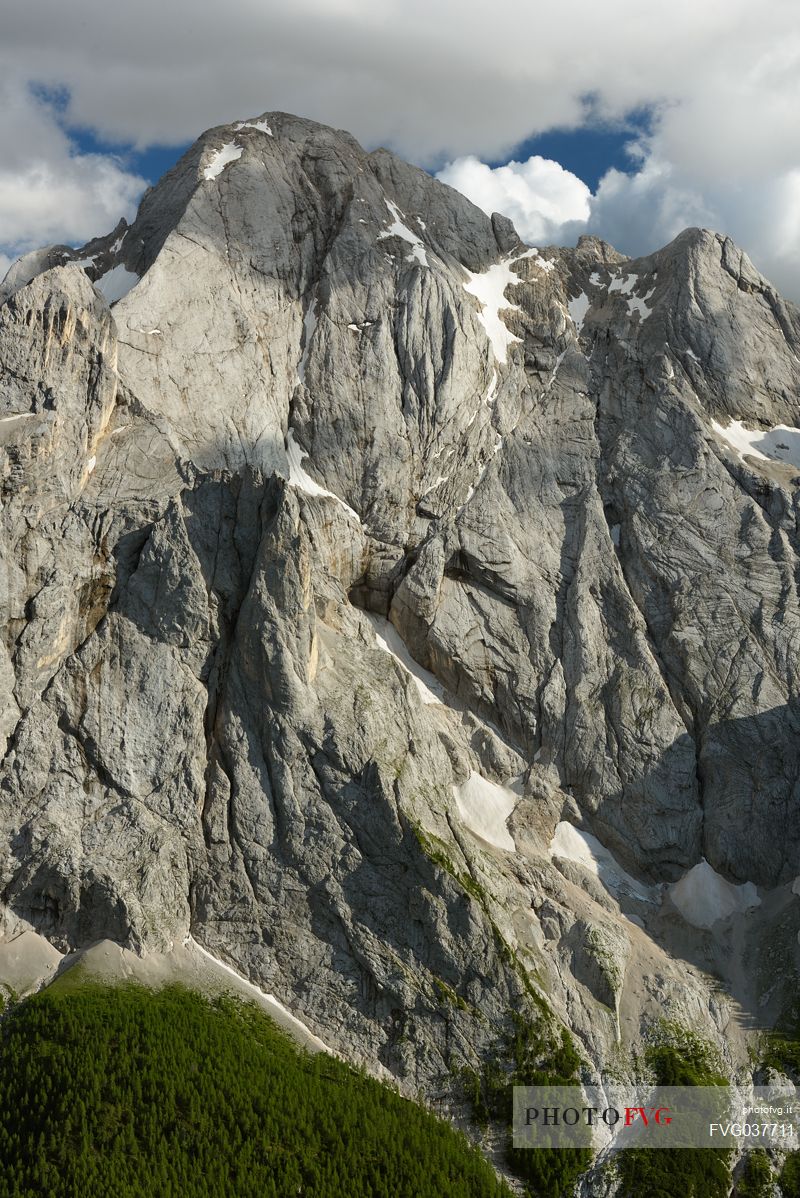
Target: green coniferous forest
{"type": "Point", "coordinates": [124, 1092]}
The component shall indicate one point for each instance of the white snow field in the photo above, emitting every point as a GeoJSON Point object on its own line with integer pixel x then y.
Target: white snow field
{"type": "Point", "coordinates": [704, 897]}
{"type": "Point", "coordinates": [229, 153]}
{"type": "Point", "coordinates": [778, 444]}
{"type": "Point", "coordinates": [389, 640]}
{"type": "Point", "coordinates": [489, 289]}
{"type": "Point", "coordinates": [484, 807]}
{"type": "Point", "coordinates": [298, 477]}
{"type": "Point", "coordinates": [625, 284]}
{"type": "Point", "coordinates": [399, 229]}
{"type": "Point", "coordinates": [572, 844]}
{"type": "Point", "coordinates": [116, 283]}
{"type": "Point", "coordinates": [262, 126]}
{"type": "Point", "coordinates": [578, 308]}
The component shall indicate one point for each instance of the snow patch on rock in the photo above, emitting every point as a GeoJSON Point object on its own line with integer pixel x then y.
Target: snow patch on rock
{"type": "Point", "coordinates": [624, 284]}
{"type": "Point", "coordinates": [489, 287]}
{"type": "Point", "coordinates": [298, 477]}
{"type": "Point", "coordinates": [389, 640]}
{"type": "Point", "coordinates": [578, 308]}
{"type": "Point", "coordinates": [485, 807]}
{"type": "Point", "coordinates": [116, 283]}
{"type": "Point", "coordinates": [269, 1001]}
{"type": "Point", "coordinates": [443, 478]}
{"type": "Point", "coordinates": [262, 126]}
{"type": "Point", "coordinates": [224, 157]}
{"type": "Point", "coordinates": [704, 897]}
{"type": "Point", "coordinates": [778, 444]}
{"type": "Point", "coordinates": [642, 306]}
{"type": "Point", "coordinates": [398, 228]}
{"type": "Point", "coordinates": [555, 371]}
{"type": "Point", "coordinates": [572, 844]}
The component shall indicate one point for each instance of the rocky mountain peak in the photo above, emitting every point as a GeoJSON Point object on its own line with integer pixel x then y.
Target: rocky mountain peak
{"type": "Point", "coordinates": [389, 604]}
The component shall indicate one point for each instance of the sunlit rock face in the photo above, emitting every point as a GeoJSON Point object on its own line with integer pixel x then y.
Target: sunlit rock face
{"type": "Point", "coordinates": [401, 611]}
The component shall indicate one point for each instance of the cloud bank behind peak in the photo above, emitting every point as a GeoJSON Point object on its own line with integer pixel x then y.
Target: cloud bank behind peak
{"type": "Point", "coordinates": [449, 83]}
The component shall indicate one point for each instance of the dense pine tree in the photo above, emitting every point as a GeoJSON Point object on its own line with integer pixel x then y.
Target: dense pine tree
{"type": "Point", "coordinates": [129, 1093]}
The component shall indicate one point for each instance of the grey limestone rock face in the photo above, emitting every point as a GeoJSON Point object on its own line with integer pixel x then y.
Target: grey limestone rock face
{"type": "Point", "coordinates": [397, 609]}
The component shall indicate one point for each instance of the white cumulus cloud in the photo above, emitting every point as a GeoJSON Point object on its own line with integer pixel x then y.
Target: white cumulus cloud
{"type": "Point", "coordinates": [48, 191]}
{"type": "Point", "coordinates": [544, 200]}
{"type": "Point", "coordinates": [452, 81]}
{"type": "Point", "coordinates": [641, 211]}
{"type": "Point", "coordinates": [644, 210]}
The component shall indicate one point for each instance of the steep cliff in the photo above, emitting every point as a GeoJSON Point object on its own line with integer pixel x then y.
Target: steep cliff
{"type": "Point", "coordinates": [408, 615]}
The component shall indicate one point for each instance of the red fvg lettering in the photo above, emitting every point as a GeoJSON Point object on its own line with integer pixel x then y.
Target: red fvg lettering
{"type": "Point", "coordinates": [659, 1115]}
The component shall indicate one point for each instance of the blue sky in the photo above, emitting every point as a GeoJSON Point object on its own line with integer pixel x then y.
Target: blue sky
{"type": "Point", "coordinates": [588, 152]}
{"type": "Point", "coordinates": [151, 163]}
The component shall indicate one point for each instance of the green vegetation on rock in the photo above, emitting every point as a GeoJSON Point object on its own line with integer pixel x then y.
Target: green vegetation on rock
{"type": "Point", "coordinates": [128, 1092]}
{"type": "Point", "coordinates": [782, 1054]}
{"type": "Point", "coordinates": [678, 1057]}
{"type": "Point", "coordinates": [674, 1173]}
{"type": "Point", "coordinates": [789, 1179]}
{"type": "Point", "coordinates": [782, 1047]}
{"type": "Point", "coordinates": [755, 1180]}
{"type": "Point", "coordinates": [536, 1053]}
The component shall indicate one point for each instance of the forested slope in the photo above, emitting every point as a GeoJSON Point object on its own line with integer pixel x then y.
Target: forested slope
{"type": "Point", "coordinates": [133, 1093]}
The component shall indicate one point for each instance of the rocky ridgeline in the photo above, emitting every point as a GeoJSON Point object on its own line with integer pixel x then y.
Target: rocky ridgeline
{"type": "Point", "coordinates": [408, 615]}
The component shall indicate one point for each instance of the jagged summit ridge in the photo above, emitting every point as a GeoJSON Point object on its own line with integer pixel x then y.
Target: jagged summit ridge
{"type": "Point", "coordinates": [336, 394]}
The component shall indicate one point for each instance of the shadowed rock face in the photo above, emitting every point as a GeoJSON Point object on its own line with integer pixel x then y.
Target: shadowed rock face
{"type": "Point", "coordinates": [337, 387]}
